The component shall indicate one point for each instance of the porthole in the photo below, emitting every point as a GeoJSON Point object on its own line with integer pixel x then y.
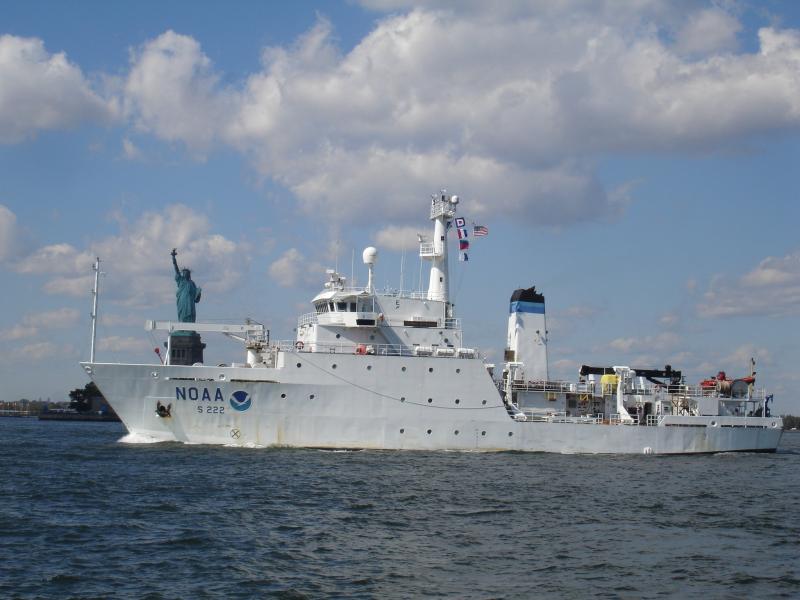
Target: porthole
{"type": "Point", "coordinates": [283, 395]}
{"type": "Point", "coordinates": [299, 365]}
{"type": "Point", "coordinates": [222, 376]}
{"type": "Point", "coordinates": [456, 432]}
{"type": "Point", "coordinates": [311, 396]}
{"type": "Point", "coordinates": [402, 430]}
{"type": "Point", "coordinates": [430, 369]}
{"type": "Point", "coordinates": [403, 369]}
{"type": "Point", "coordinates": [403, 399]}
{"type": "Point", "coordinates": [429, 431]}
{"type": "Point", "coordinates": [430, 400]}
{"type": "Point", "coordinates": [338, 335]}
{"type": "Point", "coordinates": [369, 367]}
{"type": "Point", "coordinates": [458, 401]}
{"type": "Point", "coordinates": [333, 366]}
{"type": "Point", "coordinates": [510, 433]}
{"type": "Point", "coordinates": [458, 370]}
{"type": "Point", "coordinates": [483, 402]}
{"type": "Point", "coordinates": [483, 433]}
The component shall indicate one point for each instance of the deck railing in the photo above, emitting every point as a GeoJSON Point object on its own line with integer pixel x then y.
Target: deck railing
{"type": "Point", "coordinates": [375, 349]}
{"type": "Point", "coordinates": [596, 389]}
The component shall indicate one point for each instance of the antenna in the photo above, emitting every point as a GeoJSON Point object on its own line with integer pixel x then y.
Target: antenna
{"type": "Point", "coordinates": [336, 259]}
{"type": "Point", "coordinates": [95, 294]}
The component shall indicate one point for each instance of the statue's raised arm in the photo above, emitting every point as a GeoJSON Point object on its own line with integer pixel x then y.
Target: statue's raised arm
{"type": "Point", "coordinates": [174, 253]}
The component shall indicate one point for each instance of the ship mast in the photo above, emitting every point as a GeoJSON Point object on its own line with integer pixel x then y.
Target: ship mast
{"type": "Point", "coordinates": [95, 292]}
{"type": "Point", "coordinates": [443, 209]}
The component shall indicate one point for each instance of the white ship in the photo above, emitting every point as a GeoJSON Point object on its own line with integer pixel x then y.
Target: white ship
{"type": "Point", "coordinates": [391, 370]}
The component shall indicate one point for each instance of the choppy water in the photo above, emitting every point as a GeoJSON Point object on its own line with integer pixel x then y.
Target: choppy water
{"type": "Point", "coordinates": [83, 516]}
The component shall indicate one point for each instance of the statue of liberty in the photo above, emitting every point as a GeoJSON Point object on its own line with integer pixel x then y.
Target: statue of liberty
{"type": "Point", "coordinates": [188, 294]}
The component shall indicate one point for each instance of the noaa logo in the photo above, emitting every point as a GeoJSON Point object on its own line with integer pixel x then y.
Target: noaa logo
{"type": "Point", "coordinates": [240, 400]}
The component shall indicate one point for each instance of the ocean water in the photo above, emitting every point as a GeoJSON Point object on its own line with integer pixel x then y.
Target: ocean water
{"type": "Point", "coordinates": [84, 516]}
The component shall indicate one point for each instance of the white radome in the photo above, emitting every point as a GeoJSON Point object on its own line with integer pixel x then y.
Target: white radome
{"type": "Point", "coordinates": [370, 255]}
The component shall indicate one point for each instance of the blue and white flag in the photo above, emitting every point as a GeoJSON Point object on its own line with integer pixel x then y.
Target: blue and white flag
{"type": "Point", "coordinates": [460, 222]}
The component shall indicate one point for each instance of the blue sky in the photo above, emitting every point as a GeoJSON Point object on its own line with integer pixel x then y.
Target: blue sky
{"type": "Point", "coordinates": [636, 161]}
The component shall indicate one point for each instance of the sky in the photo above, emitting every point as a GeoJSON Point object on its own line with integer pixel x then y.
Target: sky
{"type": "Point", "coordinates": [636, 161]}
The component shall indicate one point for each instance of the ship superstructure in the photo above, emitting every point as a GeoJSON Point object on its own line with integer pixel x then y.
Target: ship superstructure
{"type": "Point", "coordinates": [390, 370]}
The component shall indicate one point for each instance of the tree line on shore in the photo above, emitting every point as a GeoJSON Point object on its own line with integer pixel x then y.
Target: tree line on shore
{"type": "Point", "coordinates": [790, 422]}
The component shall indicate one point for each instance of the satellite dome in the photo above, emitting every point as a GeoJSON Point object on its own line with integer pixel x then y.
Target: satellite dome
{"type": "Point", "coordinates": [370, 255]}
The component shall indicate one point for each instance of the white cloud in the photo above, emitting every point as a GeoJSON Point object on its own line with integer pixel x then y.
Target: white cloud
{"type": "Point", "coordinates": [56, 258]}
{"type": "Point", "coordinates": [172, 91]}
{"type": "Point", "coordinates": [419, 103]}
{"type": "Point", "coordinates": [398, 238]}
{"type": "Point", "coordinates": [42, 91]}
{"type": "Point", "coordinates": [32, 324]}
{"type": "Point", "coordinates": [17, 332]}
{"type": "Point", "coordinates": [710, 30]}
{"type": "Point", "coordinates": [114, 343]}
{"type": "Point", "coordinates": [61, 317]}
{"type": "Point", "coordinates": [8, 233]}
{"type": "Point", "coordinates": [130, 151]}
{"type": "Point", "coordinates": [740, 357]}
{"type": "Point", "coordinates": [649, 343]}
{"type": "Point", "coordinates": [293, 268]}
{"type": "Point", "coordinates": [770, 289]}
{"type": "Point", "coordinates": [40, 350]}
{"type": "Point", "coordinates": [670, 319]}
{"type": "Point", "coordinates": [137, 263]}
{"type": "Point", "coordinates": [121, 320]}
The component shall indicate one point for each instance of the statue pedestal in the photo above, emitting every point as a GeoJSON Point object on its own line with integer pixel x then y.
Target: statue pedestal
{"type": "Point", "coordinates": [185, 348]}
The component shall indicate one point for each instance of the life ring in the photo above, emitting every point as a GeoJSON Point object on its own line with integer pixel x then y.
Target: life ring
{"type": "Point", "coordinates": [299, 345]}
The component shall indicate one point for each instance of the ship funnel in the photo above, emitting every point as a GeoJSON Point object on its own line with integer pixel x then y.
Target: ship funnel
{"type": "Point", "coordinates": [370, 257]}
{"type": "Point", "coordinates": [527, 333]}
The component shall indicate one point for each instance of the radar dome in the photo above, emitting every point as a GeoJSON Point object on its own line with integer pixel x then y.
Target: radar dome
{"type": "Point", "coordinates": [370, 255]}
{"type": "Point", "coordinates": [453, 199]}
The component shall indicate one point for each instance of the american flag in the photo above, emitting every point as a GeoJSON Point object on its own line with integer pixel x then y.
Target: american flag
{"type": "Point", "coordinates": [479, 230]}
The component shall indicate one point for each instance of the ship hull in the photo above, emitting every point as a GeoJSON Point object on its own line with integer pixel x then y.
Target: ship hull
{"type": "Point", "coordinates": [319, 400]}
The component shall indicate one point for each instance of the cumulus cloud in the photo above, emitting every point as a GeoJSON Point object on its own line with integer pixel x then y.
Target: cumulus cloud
{"type": "Point", "coordinates": [115, 343]}
{"type": "Point", "coordinates": [771, 289]}
{"type": "Point", "coordinates": [32, 324]}
{"type": "Point", "coordinates": [710, 30]}
{"type": "Point", "coordinates": [173, 92]}
{"type": "Point", "coordinates": [42, 91]}
{"type": "Point", "coordinates": [419, 103]}
{"type": "Point", "coordinates": [40, 350]}
{"type": "Point", "coordinates": [8, 233]}
{"type": "Point", "coordinates": [399, 238]}
{"type": "Point", "coordinates": [293, 268]}
{"type": "Point", "coordinates": [659, 342]}
{"type": "Point", "coordinates": [137, 261]}
{"type": "Point", "coordinates": [130, 151]}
